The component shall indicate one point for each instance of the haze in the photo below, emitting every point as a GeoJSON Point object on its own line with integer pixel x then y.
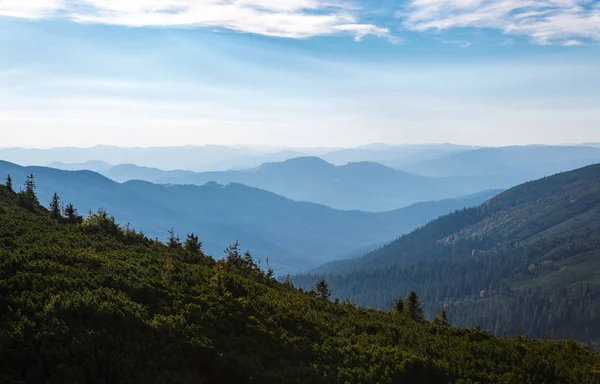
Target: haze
{"type": "Point", "coordinates": [307, 74]}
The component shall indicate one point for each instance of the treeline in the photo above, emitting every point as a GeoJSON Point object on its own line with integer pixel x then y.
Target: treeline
{"type": "Point", "coordinates": [550, 288]}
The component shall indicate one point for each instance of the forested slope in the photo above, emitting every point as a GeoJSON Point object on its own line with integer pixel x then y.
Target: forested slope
{"type": "Point", "coordinates": [525, 261]}
{"type": "Point", "coordinates": [87, 301]}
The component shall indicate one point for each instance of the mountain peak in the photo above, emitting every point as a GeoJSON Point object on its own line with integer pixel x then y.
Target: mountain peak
{"type": "Point", "coordinates": [307, 163]}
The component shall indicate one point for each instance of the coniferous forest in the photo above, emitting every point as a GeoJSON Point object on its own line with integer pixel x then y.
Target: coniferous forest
{"type": "Point", "coordinates": [88, 301]}
{"type": "Point", "coordinates": [525, 262]}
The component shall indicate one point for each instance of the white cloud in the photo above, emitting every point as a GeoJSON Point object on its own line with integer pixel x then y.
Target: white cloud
{"type": "Point", "coordinates": [282, 18]}
{"type": "Point", "coordinates": [29, 9]}
{"type": "Point", "coordinates": [545, 21]}
{"type": "Point", "coordinates": [362, 30]}
{"type": "Point", "coordinates": [571, 43]}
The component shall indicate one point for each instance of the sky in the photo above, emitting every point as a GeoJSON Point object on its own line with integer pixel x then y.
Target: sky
{"type": "Point", "coordinates": [298, 72]}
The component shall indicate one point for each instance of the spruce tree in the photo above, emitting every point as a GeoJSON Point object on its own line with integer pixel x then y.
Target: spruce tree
{"type": "Point", "coordinates": [442, 319]}
{"type": "Point", "coordinates": [193, 244]}
{"type": "Point", "coordinates": [248, 259]}
{"type": "Point", "coordinates": [174, 241]}
{"type": "Point", "coordinates": [55, 208]}
{"type": "Point", "coordinates": [234, 256]}
{"type": "Point", "coordinates": [27, 197]}
{"type": "Point", "coordinates": [399, 306]}
{"type": "Point", "coordinates": [412, 307]}
{"type": "Point", "coordinates": [288, 281]}
{"type": "Point", "coordinates": [9, 183]}
{"type": "Point", "coordinates": [323, 291]}
{"type": "Point", "coordinates": [71, 215]}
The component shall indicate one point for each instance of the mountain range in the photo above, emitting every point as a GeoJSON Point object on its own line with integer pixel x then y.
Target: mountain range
{"type": "Point", "coordinates": [356, 186]}
{"type": "Point", "coordinates": [197, 158]}
{"type": "Point", "coordinates": [515, 164]}
{"type": "Point", "coordinates": [524, 261]}
{"type": "Point", "coordinates": [294, 236]}
{"type": "Point", "coordinates": [394, 156]}
{"type": "Point", "coordinates": [219, 158]}
{"type": "Point", "coordinates": [444, 171]}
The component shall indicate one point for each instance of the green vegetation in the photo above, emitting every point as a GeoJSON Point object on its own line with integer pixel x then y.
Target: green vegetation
{"type": "Point", "coordinates": [97, 303]}
{"type": "Point", "coordinates": [526, 261]}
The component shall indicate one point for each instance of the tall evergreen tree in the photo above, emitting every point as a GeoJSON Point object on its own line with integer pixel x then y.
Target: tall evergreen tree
{"type": "Point", "coordinates": [412, 307]}
{"type": "Point", "coordinates": [288, 281]}
{"type": "Point", "coordinates": [323, 290]}
{"type": "Point", "coordinates": [71, 215]}
{"type": "Point", "coordinates": [55, 208]}
{"type": "Point", "coordinates": [399, 306]}
{"type": "Point", "coordinates": [442, 319]}
{"type": "Point", "coordinates": [9, 183]}
{"type": "Point", "coordinates": [28, 197]}
{"type": "Point", "coordinates": [174, 241]}
{"type": "Point", "coordinates": [193, 244]}
{"type": "Point", "coordinates": [233, 255]}
{"type": "Point", "coordinates": [249, 261]}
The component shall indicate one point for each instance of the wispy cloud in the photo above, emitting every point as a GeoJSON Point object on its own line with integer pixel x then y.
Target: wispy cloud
{"type": "Point", "coordinates": [571, 43]}
{"type": "Point", "coordinates": [460, 43]}
{"type": "Point", "coordinates": [29, 9]}
{"type": "Point", "coordinates": [282, 18]}
{"type": "Point", "coordinates": [545, 21]}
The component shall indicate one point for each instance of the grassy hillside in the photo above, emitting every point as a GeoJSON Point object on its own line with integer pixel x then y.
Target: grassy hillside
{"type": "Point", "coordinates": [294, 236]}
{"type": "Point", "coordinates": [96, 303]}
{"type": "Point", "coordinates": [527, 260]}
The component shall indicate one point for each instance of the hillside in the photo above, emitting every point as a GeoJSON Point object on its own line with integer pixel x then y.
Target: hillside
{"type": "Point", "coordinates": [362, 186]}
{"type": "Point", "coordinates": [293, 236]}
{"type": "Point", "coordinates": [528, 259]}
{"type": "Point", "coordinates": [95, 303]}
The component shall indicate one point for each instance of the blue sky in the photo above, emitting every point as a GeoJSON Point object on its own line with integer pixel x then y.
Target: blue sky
{"type": "Point", "coordinates": [298, 72]}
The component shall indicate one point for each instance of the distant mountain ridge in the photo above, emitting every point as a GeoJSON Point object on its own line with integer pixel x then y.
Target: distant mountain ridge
{"type": "Point", "coordinates": [394, 156]}
{"type": "Point", "coordinates": [527, 259]}
{"type": "Point", "coordinates": [350, 179]}
{"type": "Point", "coordinates": [362, 186]}
{"type": "Point", "coordinates": [218, 158]}
{"type": "Point", "coordinates": [294, 236]}
{"type": "Point", "coordinates": [523, 162]}
{"type": "Point", "coordinates": [92, 165]}
{"type": "Point", "coordinates": [197, 158]}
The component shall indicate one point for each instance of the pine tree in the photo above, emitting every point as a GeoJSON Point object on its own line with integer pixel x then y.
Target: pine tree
{"type": "Point", "coordinates": [55, 208]}
{"type": "Point", "coordinates": [174, 241]}
{"type": "Point", "coordinates": [270, 271]}
{"type": "Point", "coordinates": [323, 291]}
{"type": "Point", "coordinates": [249, 260]}
{"type": "Point", "coordinates": [399, 306]}
{"type": "Point", "coordinates": [442, 319]}
{"type": "Point", "coordinates": [412, 307]}
{"type": "Point", "coordinates": [234, 257]}
{"type": "Point", "coordinates": [71, 215]}
{"type": "Point", "coordinates": [27, 197]}
{"type": "Point", "coordinates": [9, 183]}
{"type": "Point", "coordinates": [193, 244]}
{"type": "Point", "coordinates": [288, 281]}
